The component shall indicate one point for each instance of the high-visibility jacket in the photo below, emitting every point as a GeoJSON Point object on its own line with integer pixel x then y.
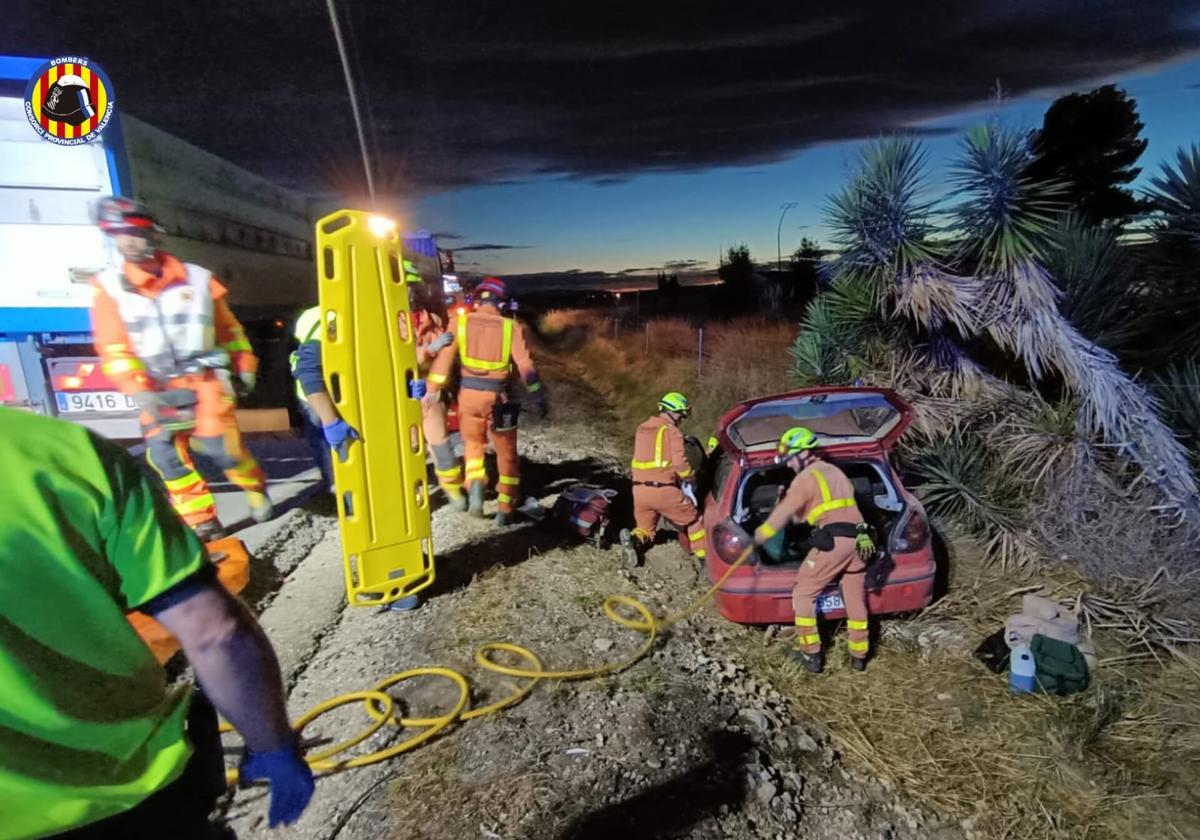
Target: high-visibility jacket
{"type": "Point", "coordinates": [659, 456]}
{"type": "Point", "coordinates": [152, 327]}
{"type": "Point", "coordinates": [307, 332]}
{"type": "Point", "coordinates": [487, 346]}
{"type": "Point", "coordinates": [820, 494]}
{"type": "Point", "coordinates": [89, 725]}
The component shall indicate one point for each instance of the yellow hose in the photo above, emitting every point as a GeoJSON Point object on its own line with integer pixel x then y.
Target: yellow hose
{"type": "Point", "coordinates": [380, 706]}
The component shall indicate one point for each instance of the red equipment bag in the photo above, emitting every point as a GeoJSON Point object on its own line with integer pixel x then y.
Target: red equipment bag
{"type": "Point", "coordinates": [587, 510]}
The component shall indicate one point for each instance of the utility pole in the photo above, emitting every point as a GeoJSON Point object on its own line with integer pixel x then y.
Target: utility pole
{"type": "Point", "coordinates": [784, 208]}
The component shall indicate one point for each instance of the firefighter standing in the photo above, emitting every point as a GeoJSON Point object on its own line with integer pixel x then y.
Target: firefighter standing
{"type": "Point", "coordinates": [822, 496]}
{"type": "Point", "coordinates": [166, 337]}
{"type": "Point", "coordinates": [433, 339]}
{"type": "Point", "coordinates": [662, 480]}
{"type": "Point", "coordinates": [487, 346]}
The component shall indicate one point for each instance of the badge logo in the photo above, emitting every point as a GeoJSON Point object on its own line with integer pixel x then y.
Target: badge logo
{"type": "Point", "coordinates": [69, 101]}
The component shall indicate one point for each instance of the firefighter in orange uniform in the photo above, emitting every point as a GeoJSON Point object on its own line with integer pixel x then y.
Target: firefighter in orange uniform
{"type": "Point", "coordinates": [432, 340]}
{"type": "Point", "coordinates": [487, 346]}
{"type": "Point", "coordinates": [662, 482]}
{"type": "Point", "coordinates": [166, 337]}
{"type": "Point", "coordinates": [822, 496]}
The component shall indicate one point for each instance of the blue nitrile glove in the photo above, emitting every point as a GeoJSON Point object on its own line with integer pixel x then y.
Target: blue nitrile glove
{"type": "Point", "coordinates": [441, 342]}
{"type": "Point", "coordinates": [417, 389]}
{"type": "Point", "coordinates": [290, 778]}
{"type": "Point", "coordinates": [338, 435]}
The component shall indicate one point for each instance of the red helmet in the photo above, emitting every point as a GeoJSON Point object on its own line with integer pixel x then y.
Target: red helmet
{"type": "Point", "coordinates": [491, 289]}
{"type": "Point", "coordinates": [118, 214]}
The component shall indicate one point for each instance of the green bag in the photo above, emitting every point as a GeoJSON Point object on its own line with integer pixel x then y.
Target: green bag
{"type": "Point", "coordinates": [1061, 668]}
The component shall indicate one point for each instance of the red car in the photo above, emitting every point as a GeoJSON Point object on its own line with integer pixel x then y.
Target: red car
{"type": "Point", "coordinates": [857, 428]}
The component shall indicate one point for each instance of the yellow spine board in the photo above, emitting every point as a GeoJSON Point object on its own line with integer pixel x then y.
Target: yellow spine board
{"type": "Point", "coordinates": [369, 357]}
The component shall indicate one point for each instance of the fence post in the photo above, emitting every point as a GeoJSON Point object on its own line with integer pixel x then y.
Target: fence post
{"type": "Point", "coordinates": [700, 351]}
{"type": "Point", "coordinates": [647, 338]}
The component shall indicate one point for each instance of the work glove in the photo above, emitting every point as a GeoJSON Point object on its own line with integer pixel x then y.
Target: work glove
{"type": "Point", "coordinates": [338, 435]}
{"type": "Point", "coordinates": [290, 779]}
{"type": "Point", "coordinates": [245, 382]}
{"type": "Point", "coordinates": [441, 342]}
{"type": "Point", "coordinates": [417, 389]}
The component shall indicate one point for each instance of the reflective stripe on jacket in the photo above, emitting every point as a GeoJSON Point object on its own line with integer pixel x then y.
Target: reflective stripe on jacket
{"type": "Point", "coordinates": [659, 455]}
{"type": "Point", "coordinates": [170, 328]}
{"type": "Point", "coordinates": [487, 345]}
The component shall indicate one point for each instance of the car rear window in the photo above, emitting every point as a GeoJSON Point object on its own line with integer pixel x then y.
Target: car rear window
{"type": "Point", "coordinates": [834, 418]}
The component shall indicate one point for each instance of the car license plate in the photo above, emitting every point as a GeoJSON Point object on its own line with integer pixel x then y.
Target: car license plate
{"type": "Point", "coordinates": [829, 603]}
{"type": "Point", "coordinates": [94, 401]}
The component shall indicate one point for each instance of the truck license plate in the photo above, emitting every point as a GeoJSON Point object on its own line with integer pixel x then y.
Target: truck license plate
{"type": "Point", "coordinates": [829, 603]}
{"type": "Point", "coordinates": [94, 401]}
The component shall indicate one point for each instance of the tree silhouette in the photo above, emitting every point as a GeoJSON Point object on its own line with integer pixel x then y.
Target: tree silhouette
{"type": "Point", "coordinates": [737, 278]}
{"type": "Point", "coordinates": [1090, 142]}
{"type": "Point", "coordinates": [800, 282]}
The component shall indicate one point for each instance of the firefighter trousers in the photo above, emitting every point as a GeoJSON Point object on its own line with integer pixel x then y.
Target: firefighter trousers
{"type": "Point", "coordinates": [475, 423]}
{"type": "Point", "coordinates": [653, 504]}
{"type": "Point", "coordinates": [819, 569]}
{"type": "Point", "coordinates": [216, 436]}
{"type": "Point", "coordinates": [445, 463]}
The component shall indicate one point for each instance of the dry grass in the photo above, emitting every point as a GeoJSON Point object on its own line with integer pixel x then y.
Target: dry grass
{"type": "Point", "coordinates": [631, 369]}
{"type": "Point", "coordinates": [1115, 761]}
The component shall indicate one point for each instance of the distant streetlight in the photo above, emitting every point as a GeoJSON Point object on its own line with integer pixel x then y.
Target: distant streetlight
{"type": "Point", "coordinates": [784, 208]}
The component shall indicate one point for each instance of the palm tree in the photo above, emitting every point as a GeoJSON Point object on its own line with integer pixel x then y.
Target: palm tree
{"type": "Point", "coordinates": [940, 279]}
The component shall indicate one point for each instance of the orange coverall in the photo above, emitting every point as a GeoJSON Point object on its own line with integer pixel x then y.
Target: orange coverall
{"type": "Point", "coordinates": [659, 466]}
{"type": "Point", "coordinates": [216, 433]}
{"type": "Point", "coordinates": [428, 326]}
{"type": "Point", "coordinates": [820, 568]}
{"type": "Point", "coordinates": [479, 346]}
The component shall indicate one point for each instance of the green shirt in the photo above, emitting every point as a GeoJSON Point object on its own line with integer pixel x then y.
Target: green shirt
{"type": "Point", "coordinates": [87, 726]}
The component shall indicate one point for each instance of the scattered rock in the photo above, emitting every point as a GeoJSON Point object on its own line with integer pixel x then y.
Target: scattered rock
{"type": "Point", "coordinates": [602, 644]}
{"type": "Point", "coordinates": [756, 718]}
{"type": "Point", "coordinates": [766, 792]}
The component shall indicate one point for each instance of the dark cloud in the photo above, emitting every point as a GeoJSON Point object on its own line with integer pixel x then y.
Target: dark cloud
{"type": "Point", "coordinates": [476, 91]}
{"type": "Point", "coordinates": [487, 246]}
{"type": "Point", "coordinates": [443, 235]}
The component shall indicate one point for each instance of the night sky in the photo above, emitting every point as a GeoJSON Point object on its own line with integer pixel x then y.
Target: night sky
{"type": "Point", "coordinates": [610, 136]}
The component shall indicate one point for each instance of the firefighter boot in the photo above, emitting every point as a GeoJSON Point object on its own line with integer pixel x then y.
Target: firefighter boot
{"type": "Point", "coordinates": [634, 545]}
{"type": "Point", "coordinates": [814, 663]}
{"type": "Point", "coordinates": [458, 502]}
{"type": "Point", "coordinates": [503, 519]}
{"type": "Point", "coordinates": [475, 508]}
{"type": "Point", "coordinates": [261, 508]}
{"type": "Point", "coordinates": [858, 664]}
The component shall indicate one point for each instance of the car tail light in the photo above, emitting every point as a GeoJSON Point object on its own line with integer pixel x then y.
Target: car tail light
{"type": "Point", "coordinates": [912, 532]}
{"type": "Point", "coordinates": [730, 540]}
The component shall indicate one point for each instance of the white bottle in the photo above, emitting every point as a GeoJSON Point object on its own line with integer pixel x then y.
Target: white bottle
{"type": "Point", "coordinates": [1022, 670]}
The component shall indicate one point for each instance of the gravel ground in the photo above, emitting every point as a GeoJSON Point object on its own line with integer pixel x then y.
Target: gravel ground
{"type": "Point", "coordinates": [687, 743]}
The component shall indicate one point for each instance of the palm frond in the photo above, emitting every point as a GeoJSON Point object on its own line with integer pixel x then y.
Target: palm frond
{"type": "Point", "coordinates": [1178, 390]}
{"type": "Point", "coordinates": [881, 220]}
{"type": "Point", "coordinates": [1004, 214]}
{"type": "Point", "coordinates": [1037, 445]}
{"type": "Point", "coordinates": [1098, 286]}
{"type": "Point", "coordinates": [1175, 194]}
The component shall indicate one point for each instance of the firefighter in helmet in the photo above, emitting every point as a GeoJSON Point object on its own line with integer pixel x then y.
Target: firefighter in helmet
{"type": "Point", "coordinates": [167, 338]}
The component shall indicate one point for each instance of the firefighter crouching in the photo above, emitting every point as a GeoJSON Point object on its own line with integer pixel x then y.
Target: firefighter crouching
{"type": "Point", "coordinates": [662, 482]}
{"type": "Point", "coordinates": [433, 340]}
{"type": "Point", "coordinates": [822, 496]}
{"type": "Point", "coordinates": [166, 337]}
{"type": "Point", "coordinates": [487, 346]}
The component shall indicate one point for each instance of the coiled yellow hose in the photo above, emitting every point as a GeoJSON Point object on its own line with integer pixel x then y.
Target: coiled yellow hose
{"type": "Point", "coordinates": [381, 707]}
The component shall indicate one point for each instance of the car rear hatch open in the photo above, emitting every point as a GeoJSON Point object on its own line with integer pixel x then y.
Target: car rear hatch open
{"type": "Point", "coordinates": [846, 421]}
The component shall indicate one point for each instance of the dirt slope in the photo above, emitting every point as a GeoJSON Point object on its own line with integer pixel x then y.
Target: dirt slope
{"type": "Point", "coordinates": [686, 743]}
